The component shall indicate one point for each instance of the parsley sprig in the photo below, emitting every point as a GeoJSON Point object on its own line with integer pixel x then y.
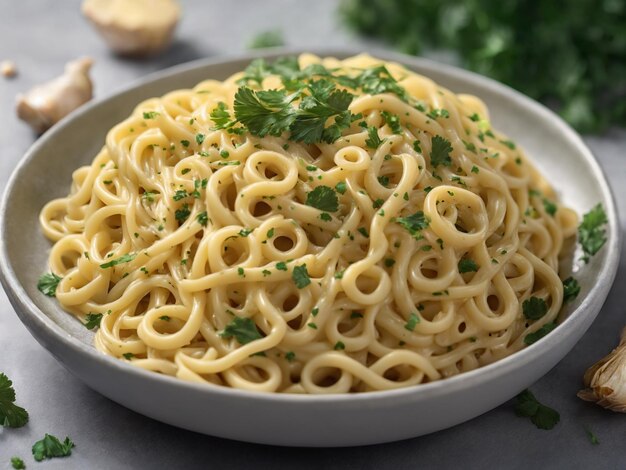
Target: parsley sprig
{"type": "Point", "coordinates": [243, 329]}
{"type": "Point", "coordinates": [11, 415]}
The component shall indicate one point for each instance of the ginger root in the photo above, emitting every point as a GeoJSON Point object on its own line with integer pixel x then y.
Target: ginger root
{"type": "Point", "coordinates": [606, 380]}
{"type": "Point", "coordinates": [134, 27]}
{"type": "Point", "coordinates": [46, 104]}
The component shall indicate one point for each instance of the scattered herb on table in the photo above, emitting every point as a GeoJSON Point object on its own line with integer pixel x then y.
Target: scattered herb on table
{"type": "Point", "coordinates": [541, 415]}
{"type": "Point", "coordinates": [11, 415]}
{"type": "Point", "coordinates": [50, 447]}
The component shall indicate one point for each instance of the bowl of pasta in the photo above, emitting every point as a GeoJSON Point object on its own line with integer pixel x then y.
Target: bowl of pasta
{"type": "Point", "coordinates": [324, 249]}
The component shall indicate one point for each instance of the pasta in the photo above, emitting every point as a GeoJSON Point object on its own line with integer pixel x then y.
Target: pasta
{"type": "Point", "coordinates": [385, 236]}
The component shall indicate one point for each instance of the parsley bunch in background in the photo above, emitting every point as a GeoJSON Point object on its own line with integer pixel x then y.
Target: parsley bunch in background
{"type": "Point", "coordinates": [570, 56]}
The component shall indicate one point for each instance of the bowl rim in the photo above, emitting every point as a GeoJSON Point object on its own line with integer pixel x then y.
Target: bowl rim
{"type": "Point", "coordinates": [39, 320]}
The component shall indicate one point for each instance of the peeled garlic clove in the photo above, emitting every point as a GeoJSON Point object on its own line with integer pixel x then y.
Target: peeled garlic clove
{"type": "Point", "coordinates": [134, 27]}
{"type": "Point", "coordinates": [46, 104]}
{"type": "Point", "coordinates": [606, 380]}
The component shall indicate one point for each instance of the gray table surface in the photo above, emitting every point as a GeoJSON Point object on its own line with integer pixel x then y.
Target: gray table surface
{"type": "Point", "coordinates": [40, 36]}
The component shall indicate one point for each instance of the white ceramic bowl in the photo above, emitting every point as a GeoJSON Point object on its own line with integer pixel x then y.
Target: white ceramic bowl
{"type": "Point", "coordinates": [332, 420]}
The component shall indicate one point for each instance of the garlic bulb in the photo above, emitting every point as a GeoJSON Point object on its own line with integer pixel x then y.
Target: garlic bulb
{"type": "Point", "coordinates": [46, 104]}
{"type": "Point", "coordinates": [606, 380]}
{"type": "Point", "coordinates": [134, 27]}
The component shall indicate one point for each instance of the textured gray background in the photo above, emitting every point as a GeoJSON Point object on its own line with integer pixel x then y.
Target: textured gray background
{"type": "Point", "coordinates": [40, 36]}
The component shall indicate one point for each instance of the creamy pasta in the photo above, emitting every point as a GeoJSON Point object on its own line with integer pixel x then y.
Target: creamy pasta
{"type": "Point", "coordinates": [360, 228]}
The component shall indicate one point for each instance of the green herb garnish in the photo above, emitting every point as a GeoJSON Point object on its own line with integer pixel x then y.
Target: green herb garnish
{"type": "Point", "coordinates": [244, 330]}
{"type": "Point", "coordinates": [127, 258]}
{"type": "Point", "coordinates": [571, 289]}
{"type": "Point", "coordinates": [300, 276]}
{"type": "Point", "coordinates": [414, 223]}
{"type": "Point", "coordinates": [47, 284]}
{"type": "Point", "coordinates": [591, 232]}
{"type": "Point", "coordinates": [534, 308]}
{"type": "Point", "coordinates": [92, 320]}
{"type": "Point", "coordinates": [323, 198]}
{"type": "Point", "coordinates": [467, 265]}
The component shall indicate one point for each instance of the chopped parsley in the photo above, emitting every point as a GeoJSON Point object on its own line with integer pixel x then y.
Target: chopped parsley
{"type": "Point", "coordinates": [128, 356]}
{"type": "Point", "coordinates": [571, 289]}
{"type": "Point", "coordinates": [281, 266]}
{"type": "Point", "coordinates": [183, 213]}
{"type": "Point", "coordinates": [290, 356]}
{"type": "Point", "coordinates": [244, 232]}
{"type": "Point", "coordinates": [467, 265]}
{"type": "Point", "coordinates": [389, 262]}
{"type": "Point", "coordinates": [414, 223]}
{"type": "Point", "coordinates": [417, 147]}
{"type": "Point", "coordinates": [531, 338]}
{"type": "Point", "coordinates": [11, 415]}
{"type": "Point", "coordinates": [591, 232]}
{"type": "Point", "coordinates": [323, 198]}
{"type": "Point", "coordinates": [180, 194]}
{"type": "Point", "coordinates": [534, 308]}
{"type": "Point", "coordinates": [127, 258]}
{"type": "Point", "coordinates": [393, 121]}
{"type": "Point", "coordinates": [50, 447]}
{"type": "Point", "coordinates": [341, 187]}
{"type": "Point", "coordinates": [549, 206]}
{"type": "Point", "coordinates": [150, 114]}
{"type": "Point", "coordinates": [542, 416]}
{"type": "Point", "coordinates": [17, 463]}
{"type": "Point", "coordinates": [47, 284]}
{"type": "Point", "coordinates": [510, 144]}
{"type": "Point", "coordinates": [92, 320]}
{"type": "Point", "coordinates": [339, 346]}
{"type": "Point", "coordinates": [300, 276]}
{"type": "Point", "coordinates": [475, 169]}
{"type": "Point", "coordinates": [200, 138]}
{"type": "Point", "coordinates": [412, 322]}
{"type": "Point", "coordinates": [592, 437]}
{"type": "Point", "coordinates": [203, 218]}
{"type": "Point", "coordinates": [363, 231]}
{"type": "Point", "coordinates": [440, 152]}
{"type": "Point", "coordinates": [244, 330]}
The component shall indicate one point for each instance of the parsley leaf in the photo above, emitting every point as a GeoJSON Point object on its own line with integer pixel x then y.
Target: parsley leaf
{"type": "Point", "coordinates": [265, 112]}
{"type": "Point", "coordinates": [93, 320]}
{"type": "Point", "coordinates": [203, 218]}
{"type": "Point", "coordinates": [272, 38]}
{"type": "Point", "coordinates": [542, 416]}
{"type": "Point", "coordinates": [414, 223]}
{"type": "Point", "coordinates": [531, 338]}
{"type": "Point", "coordinates": [221, 117]}
{"type": "Point", "coordinates": [17, 463]}
{"type": "Point", "coordinates": [242, 329]}
{"type": "Point", "coordinates": [591, 233]}
{"type": "Point", "coordinates": [440, 152]}
{"type": "Point", "coordinates": [323, 198]}
{"type": "Point", "coordinates": [373, 141]}
{"type": "Point", "coordinates": [11, 415]}
{"type": "Point", "coordinates": [127, 258]}
{"type": "Point", "coordinates": [50, 447]}
{"type": "Point", "coordinates": [534, 308]}
{"type": "Point", "coordinates": [48, 283]}
{"type": "Point", "coordinates": [300, 276]}
{"type": "Point", "coordinates": [571, 289]}
{"type": "Point", "coordinates": [467, 265]}
{"type": "Point", "coordinates": [377, 80]}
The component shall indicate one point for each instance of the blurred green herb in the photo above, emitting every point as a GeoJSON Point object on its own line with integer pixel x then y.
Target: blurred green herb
{"type": "Point", "coordinates": [569, 58]}
{"type": "Point", "coordinates": [271, 38]}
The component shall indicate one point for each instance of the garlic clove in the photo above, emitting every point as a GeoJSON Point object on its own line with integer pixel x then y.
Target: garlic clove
{"type": "Point", "coordinates": [8, 69]}
{"type": "Point", "coordinates": [46, 104]}
{"type": "Point", "coordinates": [606, 380]}
{"type": "Point", "coordinates": [134, 27]}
